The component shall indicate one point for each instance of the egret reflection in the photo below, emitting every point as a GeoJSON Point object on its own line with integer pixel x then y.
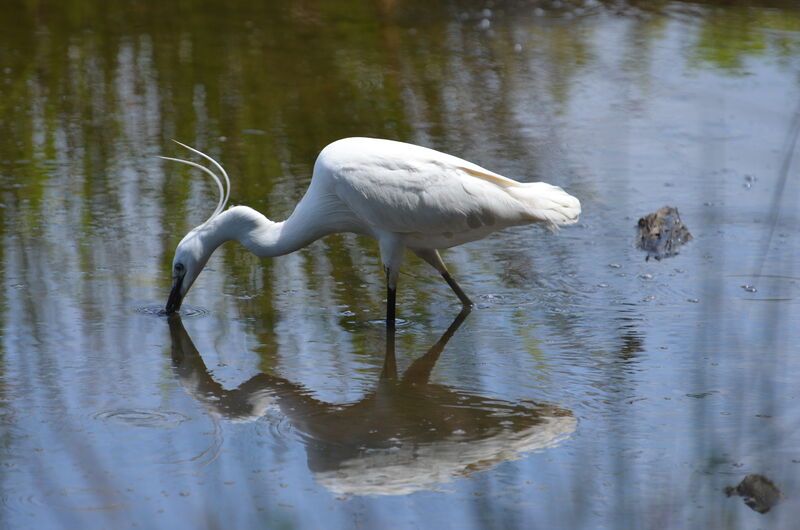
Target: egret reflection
{"type": "Point", "coordinates": [406, 435]}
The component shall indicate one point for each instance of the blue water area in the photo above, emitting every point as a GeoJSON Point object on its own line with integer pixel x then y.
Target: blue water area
{"type": "Point", "coordinates": [588, 388]}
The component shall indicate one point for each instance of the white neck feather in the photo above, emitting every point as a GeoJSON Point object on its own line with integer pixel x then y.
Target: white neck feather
{"type": "Point", "coordinates": [262, 237]}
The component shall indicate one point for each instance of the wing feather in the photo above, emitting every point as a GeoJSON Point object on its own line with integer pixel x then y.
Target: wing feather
{"type": "Point", "coordinates": [424, 197]}
{"type": "Point", "coordinates": [403, 188]}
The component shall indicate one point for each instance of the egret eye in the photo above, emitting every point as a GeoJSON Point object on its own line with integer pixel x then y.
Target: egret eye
{"type": "Point", "coordinates": [179, 268]}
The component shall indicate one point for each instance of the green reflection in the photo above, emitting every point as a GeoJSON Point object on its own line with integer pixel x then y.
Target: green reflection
{"type": "Point", "coordinates": [91, 91]}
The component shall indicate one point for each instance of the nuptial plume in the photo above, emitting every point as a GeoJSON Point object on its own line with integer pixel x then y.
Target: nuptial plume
{"type": "Point", "coordinates": [224, 190]}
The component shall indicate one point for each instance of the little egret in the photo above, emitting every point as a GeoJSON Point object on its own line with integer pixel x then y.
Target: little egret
{"type": "Point", "coordinates": [404, 196]}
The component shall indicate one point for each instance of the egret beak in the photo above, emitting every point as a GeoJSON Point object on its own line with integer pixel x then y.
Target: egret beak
{"type": "Point", "coordinates": [175, 296]}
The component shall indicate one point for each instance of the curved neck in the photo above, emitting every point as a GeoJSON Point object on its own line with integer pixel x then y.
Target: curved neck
{"type": "Point", "coordinates": [259, 235]}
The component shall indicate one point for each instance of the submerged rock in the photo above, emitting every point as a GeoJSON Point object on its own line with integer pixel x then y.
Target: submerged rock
{"type": "Point", "coordinates": [757, 491]}
{"type": "Point", "coordinates": [662, 233]}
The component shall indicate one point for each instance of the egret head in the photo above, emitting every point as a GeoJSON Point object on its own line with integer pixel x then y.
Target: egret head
{"type": "Point", "coordinates": [195, 248]}
{"type": "Point", "coordinates": [190, 258]}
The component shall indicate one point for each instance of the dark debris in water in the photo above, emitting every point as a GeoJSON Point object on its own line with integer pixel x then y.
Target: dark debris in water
{"type": "Point", "coordinates": [662, 233]}
{"type": "Point", "coordinates": [701, 395]}
{"type": "Point", "coordinates": [757, 491]}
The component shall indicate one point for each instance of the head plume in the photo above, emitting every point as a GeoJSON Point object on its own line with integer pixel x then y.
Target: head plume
{"type": "Point", "coordinates": [224, 190]}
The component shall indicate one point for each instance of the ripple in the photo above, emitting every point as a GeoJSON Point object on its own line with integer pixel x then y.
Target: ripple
{"type": "Point", "coordinates": [351, 323]}
{"type": "Point", "coordinates": [185, 311]}
{"type": "Point", "coordinates": [16, 504]}
{"type": "Point", "coordinates": [73, 498]}
{"type": "Point", "coordinates": [281, 430]}
{"type": "Point", "coordinates": [147, 418]}
{"type": "Point", "coordinates": [82, 499]}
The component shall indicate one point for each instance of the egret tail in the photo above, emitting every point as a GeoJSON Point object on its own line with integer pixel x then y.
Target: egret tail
{"type": "Point", "coordinates": [547, 203]}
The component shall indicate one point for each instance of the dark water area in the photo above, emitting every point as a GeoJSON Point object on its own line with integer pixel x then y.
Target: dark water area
{"type": "Point", "coordinates": [589, 387]}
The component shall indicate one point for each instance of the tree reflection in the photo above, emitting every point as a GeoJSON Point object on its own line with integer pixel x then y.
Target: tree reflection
{"type": "Point", "coordinates": [405, 435]}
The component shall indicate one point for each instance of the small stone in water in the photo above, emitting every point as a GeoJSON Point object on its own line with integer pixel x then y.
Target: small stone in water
{"type": "Point", "coordinates": [757, 491]}
{"type": "Point", "coordinates": [660, 234]}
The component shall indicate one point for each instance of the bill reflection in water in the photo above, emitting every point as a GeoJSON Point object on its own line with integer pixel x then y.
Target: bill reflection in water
{"type": "Point", "coordinates": [406, 435]}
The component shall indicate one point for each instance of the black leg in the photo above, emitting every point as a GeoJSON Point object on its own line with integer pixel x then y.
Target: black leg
{"type": "Point", "coordinates": [435, 260]}
{"type": "Point", "coordinates": [391, 297]}
{"type": "Point", "coordinates": [457, 289]}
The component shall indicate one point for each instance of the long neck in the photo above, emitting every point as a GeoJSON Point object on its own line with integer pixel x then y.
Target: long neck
{"type": "Point", "coordinates": [259, 235]}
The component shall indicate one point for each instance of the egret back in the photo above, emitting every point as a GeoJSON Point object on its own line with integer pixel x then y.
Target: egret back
{"type": "Point", "coordinates": [436, 199]}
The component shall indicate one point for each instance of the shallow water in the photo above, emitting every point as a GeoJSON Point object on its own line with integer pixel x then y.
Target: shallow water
{"type": "Point", "coordinates": [589, 388]}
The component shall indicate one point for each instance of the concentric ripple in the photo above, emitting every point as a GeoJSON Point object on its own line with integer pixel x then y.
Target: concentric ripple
{"type": "Point", "coordinates": [187, 311]}
{"type": "Point", "coordinates": [353, 324]}
{"type": "Point", "coordinates": [146, 418]}
{"type": "Point", "coordinates": [83, 499]}
{"type": "Point", "coordinates": [74, 499]}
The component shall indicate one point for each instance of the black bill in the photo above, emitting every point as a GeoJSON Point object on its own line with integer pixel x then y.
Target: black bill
{"type": "Point", "coordinates": [175, 296]}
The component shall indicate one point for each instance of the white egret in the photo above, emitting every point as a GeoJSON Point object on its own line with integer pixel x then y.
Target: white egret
{"type": "Point", "coordinates": [404, 196]}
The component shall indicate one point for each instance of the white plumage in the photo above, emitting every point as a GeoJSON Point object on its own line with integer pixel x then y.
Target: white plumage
{"type": "Point", "coordinates": [405, 196]}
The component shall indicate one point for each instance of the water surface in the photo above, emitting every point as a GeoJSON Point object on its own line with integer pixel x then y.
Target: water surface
{"type": "Point", "coordinates": [589, 388]}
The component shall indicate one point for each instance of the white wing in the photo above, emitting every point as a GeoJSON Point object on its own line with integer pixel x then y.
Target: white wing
{"type": "Point", "coordinates": [403, 188]}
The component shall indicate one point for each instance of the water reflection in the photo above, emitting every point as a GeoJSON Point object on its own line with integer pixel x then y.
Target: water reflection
{"type": "Point", "coordinates": [680, 377]}
{"type": "Point", "coordinates": [405, 435]}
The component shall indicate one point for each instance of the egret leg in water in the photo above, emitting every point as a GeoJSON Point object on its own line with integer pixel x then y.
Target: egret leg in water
{"type": "Point", "coordinates": [402, 195]}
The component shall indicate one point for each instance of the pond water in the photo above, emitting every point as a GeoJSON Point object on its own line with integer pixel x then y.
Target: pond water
{"type": "Point", "coordinates": [589, 388]}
